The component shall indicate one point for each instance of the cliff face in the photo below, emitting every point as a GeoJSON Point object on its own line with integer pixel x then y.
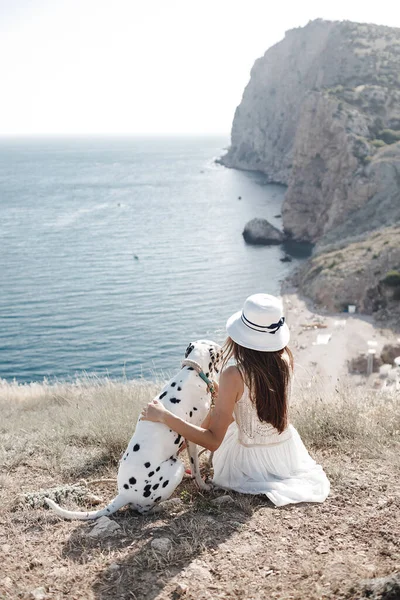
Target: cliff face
{"type": "Point", "coordinates": [321, 114]}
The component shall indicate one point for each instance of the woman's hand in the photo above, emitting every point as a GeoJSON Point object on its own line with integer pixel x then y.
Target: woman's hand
{"type": "Point", "coordinates": [154, 411]}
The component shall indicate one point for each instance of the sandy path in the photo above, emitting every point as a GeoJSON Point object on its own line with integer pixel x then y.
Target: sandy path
{"type": "Point", "coordinates": [349, 338]}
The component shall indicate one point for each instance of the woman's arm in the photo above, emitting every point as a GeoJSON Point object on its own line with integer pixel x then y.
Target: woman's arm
{"type": "Point", "coordinates": [230, 390]}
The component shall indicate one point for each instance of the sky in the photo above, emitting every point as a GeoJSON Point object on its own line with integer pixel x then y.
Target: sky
{"type": "Point", "coordinates": [144, 67]}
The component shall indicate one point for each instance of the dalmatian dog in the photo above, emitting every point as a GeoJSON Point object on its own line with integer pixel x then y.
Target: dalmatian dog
{"type": "Point", "coordinates": [150, 469]}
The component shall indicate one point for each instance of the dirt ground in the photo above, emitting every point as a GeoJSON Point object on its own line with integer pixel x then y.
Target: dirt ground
{"type": "Point", "coordinates": [244, 548]}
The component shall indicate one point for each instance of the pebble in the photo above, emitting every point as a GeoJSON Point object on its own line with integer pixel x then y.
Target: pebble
{"type": "Point", "coordinates": [6, 548]}
{"type": "Point", "coordinates": [181, 589]}
{"type": "Point", "coordinates": [39, 593]}
{"type": "Point", "coordinates": [104, 528]}
{"type": "Point", "coordinates": [161, 545]}
{"type": "Point", "coordinates": [322, 549]}
{"type": "Point", "coordinates": [222, 500]}
{"type": "Point", "coordinates": [197, 570]}
{"type": "Point", "coordinates": [114, 567]}
{"type": "Point", "coordinates": [171, 504]}
{"type": "Point", "coordinates": [7, 582]}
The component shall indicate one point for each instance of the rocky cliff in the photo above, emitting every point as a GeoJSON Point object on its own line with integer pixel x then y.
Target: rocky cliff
{"type": "Point", "coordinates": [364, 272]}
{"type": "Point", "coordinates": [321, 114]}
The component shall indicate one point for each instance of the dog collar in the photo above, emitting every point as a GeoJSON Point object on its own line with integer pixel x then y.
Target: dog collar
{"type": "Point", "coordinates": [195, 365]}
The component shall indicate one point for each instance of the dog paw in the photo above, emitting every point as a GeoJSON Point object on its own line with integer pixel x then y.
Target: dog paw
{"type": "Point", "coordinates": [203, 485]}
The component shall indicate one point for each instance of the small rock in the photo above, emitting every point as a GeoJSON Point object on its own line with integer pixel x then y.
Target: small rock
{"type": "Point", "coordinates": [39, 593]}
{"type": "Point", "coordinates": [171, 504]}
{"type": "Point", "coordinates": [104, 528]}
{"type": "Point", "coordinates": [34, 563]}
{"type": "Point", "coordinates": [114, 567]}
{"type": "Point", "coordinates": [180, 590]}
{"type": "Point", "coordinates": [322, 548]}
{"type": "Point", "coordinates": [162, 545]}
{"type": "Point", "coordinates": [7, 582]}
{"type": "Point", "coordinates": [6, 548]}
{"type": "Point", "coordinates": [198, 571]}
{"type": "Point", "coordinates": [223, 500]}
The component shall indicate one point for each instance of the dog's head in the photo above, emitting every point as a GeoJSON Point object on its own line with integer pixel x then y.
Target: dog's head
{"type": "Point", "coordinates": [207, 354]}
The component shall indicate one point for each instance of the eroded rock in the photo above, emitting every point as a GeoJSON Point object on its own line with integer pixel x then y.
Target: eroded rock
{"type": "Point", "coordinates": [104, 527]}
{"type": "Point", "coordinates": [260, 232]}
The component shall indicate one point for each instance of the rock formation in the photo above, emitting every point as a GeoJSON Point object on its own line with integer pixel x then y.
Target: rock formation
{"type": "Point", "coordinates": [321, 114]}
{"type": "Point", "coordinates": [357, 273]}
{"type": "Point", "coordinates": [379, 588]}
{"type": "Point", "coordinates": [261, 233]}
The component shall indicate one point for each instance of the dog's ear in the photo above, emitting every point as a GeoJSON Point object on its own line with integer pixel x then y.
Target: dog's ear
{"type": "Point", "coordinates": [188, 350]}
{"type": "Point", "coordinates": [213, 358]}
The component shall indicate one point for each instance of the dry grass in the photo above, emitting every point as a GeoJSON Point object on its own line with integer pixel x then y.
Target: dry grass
{"type": "Point", "coordinates": [96, 414]}
{"type": "Point", "coordinates": [54, 434]}
{"type": "Point", "coordinates": [353, 420]}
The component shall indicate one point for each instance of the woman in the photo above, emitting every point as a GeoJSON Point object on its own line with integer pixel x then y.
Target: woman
{"type": "Point", "coordinates": [257, 452]}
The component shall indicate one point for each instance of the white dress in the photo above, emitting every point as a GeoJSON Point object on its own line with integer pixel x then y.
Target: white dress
{"type": "Point", "coordinates": [255, 459]}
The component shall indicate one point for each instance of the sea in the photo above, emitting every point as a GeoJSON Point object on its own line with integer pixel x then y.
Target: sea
{"type": "Point", "coordinates": [116, 253]}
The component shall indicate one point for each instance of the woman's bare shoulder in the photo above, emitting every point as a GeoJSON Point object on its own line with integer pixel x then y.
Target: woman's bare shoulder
{"type": "Point", "coordinates": [232, 377]}
{"type": "Point", "coordinates": [231, 372]}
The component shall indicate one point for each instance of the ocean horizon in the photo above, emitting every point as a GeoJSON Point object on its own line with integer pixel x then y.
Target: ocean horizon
{"type": "Point", "coordinates": [116, 252]}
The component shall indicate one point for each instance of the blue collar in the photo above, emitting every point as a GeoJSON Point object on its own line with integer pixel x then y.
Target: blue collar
{"type": "Point", "coordinates": [195, 365]}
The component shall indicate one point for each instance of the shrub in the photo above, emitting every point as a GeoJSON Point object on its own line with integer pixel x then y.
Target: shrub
{"type": "Point", "coordinates": [378, 143]}
{"type": "Point", "coordinates": [389, 136]}
{"type": "Point", "coordinates": [392, 278]}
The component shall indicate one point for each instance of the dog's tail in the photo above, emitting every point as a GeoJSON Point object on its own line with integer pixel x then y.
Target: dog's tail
{"type": "Point", "coordinates": [118, 502]}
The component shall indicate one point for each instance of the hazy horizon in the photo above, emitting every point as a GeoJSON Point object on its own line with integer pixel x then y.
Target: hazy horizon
{"type": "Point", "coordinates": [88, 68]}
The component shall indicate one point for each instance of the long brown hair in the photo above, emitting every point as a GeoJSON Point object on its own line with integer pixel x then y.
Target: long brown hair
{"type": "Point", "coordinates": [267, 375]}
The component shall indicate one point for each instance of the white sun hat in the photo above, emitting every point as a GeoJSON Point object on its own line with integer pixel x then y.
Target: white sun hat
{"type": "Point", "coordinates": [260, 325]}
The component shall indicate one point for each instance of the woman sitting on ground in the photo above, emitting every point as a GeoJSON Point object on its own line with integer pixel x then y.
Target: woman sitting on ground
{"type": "Point", "coordinates": [256, 450]}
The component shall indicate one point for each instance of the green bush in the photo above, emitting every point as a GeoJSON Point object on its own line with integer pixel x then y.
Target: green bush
{"type": "Point", "coordinates": [392, 278]}
{"type": "Point", "coordinates": [378, 143]}
{"type": "Point", "coordinates": [389, 136]}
